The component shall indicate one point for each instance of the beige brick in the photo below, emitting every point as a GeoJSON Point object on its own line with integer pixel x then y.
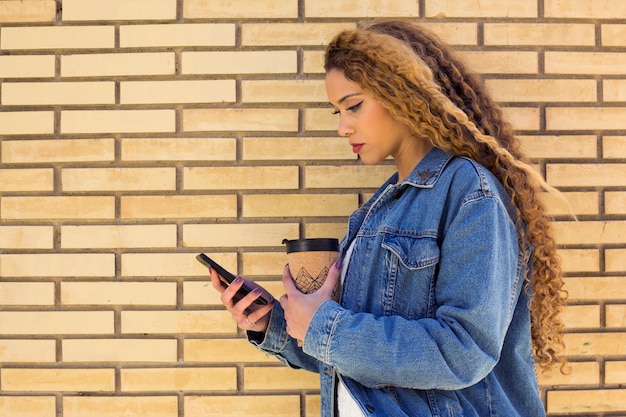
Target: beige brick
{"type": "Point", "coordinates": [590, 232]}
{"type": "Point", "coordinates": [297, 205]}
{"type": "Point", "coordinates": [615, 202]}
{"type": "Point", "coordinates": [35, 179]}
{"type": "Point", "coordinates": [584, 9]}
{"type": "Point", "coordinates": [613, 34]}
{"type": "Point", "coordinates": [615, 260]}
{"type": "Point", "coordinates": [26, 123]}
{"type": "Point", "coordinates": [322, 120]}
{"type": "Point", "coordinates": [581, 316]}
{"type": "Point", "coordinates": [201, 293]}
{"type": "Point", "coordinates": [117, 406]}
{"type": "Point", "coordinates": [585, 63]}
{"type": "Point", "coordinates": [614, 90]}
{"type": "Point", "coordinates": [161, 322]}
{"type": "Point", "coordinates": [179, 149]}
{"type": "Point", "coordinates": [28, 406]}
{"type": "Point", "coordinates": [239, 62]}
{"type": "Point", "coordinates": [224, 351]}
{"type": "Point", "coordinates": [477, 8]}
{"type": "Point", "coordinates": [261, 34]}
{"type": "Point", "coordinates": [502, 62]}
{"type": "Point", "coordinates": [186, 91]}
{"type": "Point", "coordinates": [248, 9]}
{"type": "Point", "coordinates": [170, 264]}
{"type": "Point", "coordinates": [312, 405]}
{"type": "Point", "coordinates": [517, 90]}
{"type": "Point", "coordinates": [298, 148]}
{"type": "Point", "coordinates": [118, 64]}
{"type": "Point", "coordinates": [586, 175]}
{"type": "Point", "coordinates": [66, 150]}
{"type": "Point", "coordinates": [454, 33]}
{"type": "Point", "coordinates": [336, 230]}
{"type": "Point", "coordinates": [226, 235]}
{"type": "Point", "coordinates": [522, 118]}
{"type": "Point", "coordinates": [279, 378]}
{"type": "Point", "coordinates": [313, 62]}
{"type": "Point", "coordinates": [26, 293]}
{"type": "Point", "coordinates": [565, 146]}
{"type": "Point", "coordinates": [118, 293]}
{"type": "Point", "coordinates": [117, 121]}
{"type": "Point", "coordinates": [360, 176]}
{"type": "Point", "coordinates": [283, 91]}
{"type": "Point", "coordinates": [582, 373]}
{"type": "Point", "coordinates": [57, 207]}
{"type": "Point", "coordinates": [179, 207]}
{"type": "Point", "coordinates": [119, 179]}
{"type": "Point", "coordinates": [179, 379]}
{"type": "Point", "coordinates": [264, 263]}
{"type": "Point", "coordinates": [174, 34]}
{"type": "Point", "coordinates": [616, 315]}
{"type": "Point", "coordinates": [26, 66]}
{"type": "Point", "coordinates": [234, 119]}
{"type": "Point", "coordinates": [236, 406]}
{"type": "Point", "coordinates": [587, 401]}
{"type": "Point", "coordinates": [119, 350]}
{"type": "Point", "coordinates": [615, 372]}
{"type": "Point", "coordinates": [614, 147]}
{"type": "Point", "coordinates": [27, 11]}
{"type": "Point", "coordinates": [594, 344]}
{"type": "Point", "coordinates": [34, 380]}
{"type": "Point", "coordinates": [20, 351]}
{"type": "Point", "coordinates": [596, 288]}
{"type": "Point", "coordinates": [57, 265]}
{"type": "Point", "coordinates": [580, 203]}
{"type": "Point", "coordinates": [56, 322]}
{"type": "Point", "coordinates": [58, 37]}
{"type": "Point", "coordinates": [580, 260]}
{"type": "Point", "coordinates": [119, 10]}
{"type": "Point", "coordinates": [241, 178]}
{"type": "Point", "coordinates": [58, 93]}
{"type": "Point", "coordinates": [557, 34]}
{"type": "Point", "coordinates": [119, 236]}
{"type": "Point", "coordinates": [363, 8]}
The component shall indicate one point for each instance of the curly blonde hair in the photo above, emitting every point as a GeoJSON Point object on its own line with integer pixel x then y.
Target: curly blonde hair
{"type": "Point", "coordinates": [421, 83]}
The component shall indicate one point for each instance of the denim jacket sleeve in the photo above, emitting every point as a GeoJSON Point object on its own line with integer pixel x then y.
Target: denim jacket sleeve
{"type": "Point", "coordinates": [477, 284]}
{"type": "Point", "coordinates": [276, 342]}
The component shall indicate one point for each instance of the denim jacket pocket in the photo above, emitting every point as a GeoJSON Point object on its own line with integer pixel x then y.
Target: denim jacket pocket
{"type": "Point", "coordinates": [410, 265]}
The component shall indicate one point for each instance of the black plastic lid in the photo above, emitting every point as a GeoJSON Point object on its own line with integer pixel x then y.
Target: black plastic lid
{"type": "Point", "coordinates": [309, 245]}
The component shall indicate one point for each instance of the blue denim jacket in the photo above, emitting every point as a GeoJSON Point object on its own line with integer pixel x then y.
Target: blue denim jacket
{"type": "Point", "coordinates": [433, 318]}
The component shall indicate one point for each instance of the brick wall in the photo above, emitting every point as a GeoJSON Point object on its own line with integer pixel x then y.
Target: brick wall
{"type": "Point", "coordinates": [136, 133]}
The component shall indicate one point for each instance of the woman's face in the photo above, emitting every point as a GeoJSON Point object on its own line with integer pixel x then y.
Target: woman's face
{"type": "Point", "coordinates": [373, 133]}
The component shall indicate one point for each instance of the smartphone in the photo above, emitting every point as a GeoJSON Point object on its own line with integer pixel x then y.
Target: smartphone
{"type": "Point", "coordinates": [227, 278]}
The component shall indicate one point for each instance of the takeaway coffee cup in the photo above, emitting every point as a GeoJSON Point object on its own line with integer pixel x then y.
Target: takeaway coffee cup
{"type": "Point", "coordinates": [309, 262]}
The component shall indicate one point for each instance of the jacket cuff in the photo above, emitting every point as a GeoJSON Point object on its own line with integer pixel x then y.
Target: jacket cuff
{"type": "Point", "coordinates": [319, 335]}
{"type": "Point", "coordinates": [275, 337]}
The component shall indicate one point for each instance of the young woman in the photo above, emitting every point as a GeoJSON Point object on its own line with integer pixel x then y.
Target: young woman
{"type": "Point", "coordinates": [451, 283]}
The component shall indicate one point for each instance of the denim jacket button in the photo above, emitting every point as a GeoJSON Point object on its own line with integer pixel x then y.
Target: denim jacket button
{"type": "Point", "coordinates": [370, 408]}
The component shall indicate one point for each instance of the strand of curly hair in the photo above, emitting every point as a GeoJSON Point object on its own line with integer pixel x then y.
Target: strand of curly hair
{"type": "Point", "coordinates": [449, 107]}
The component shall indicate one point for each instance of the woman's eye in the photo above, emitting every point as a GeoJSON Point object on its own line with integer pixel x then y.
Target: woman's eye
{"type": "Point", "coordinates": [355, 107]}
{"type": "Point", "coordinates": [335, 111]}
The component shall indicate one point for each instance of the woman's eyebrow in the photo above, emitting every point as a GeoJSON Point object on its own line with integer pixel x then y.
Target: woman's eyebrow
{"type": "Point", "coordinates": [344, 98]}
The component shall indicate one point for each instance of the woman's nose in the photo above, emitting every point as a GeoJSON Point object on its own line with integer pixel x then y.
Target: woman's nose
{"type": "Point", "coordinates": [344, 129]}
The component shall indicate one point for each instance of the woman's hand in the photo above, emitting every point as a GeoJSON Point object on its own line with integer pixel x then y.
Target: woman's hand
{"type": "Point", "coordinates": [300, 308]}
{"type": "Point", "coordinates": [249, 316]}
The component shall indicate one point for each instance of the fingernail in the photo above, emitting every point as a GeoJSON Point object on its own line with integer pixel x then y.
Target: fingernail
{"type": "Point", "coordinates": [257, 290]}
{"type": "Point", "coordinates": [338, 264]}
{"type": "Point", "coordinates": [238, 280]}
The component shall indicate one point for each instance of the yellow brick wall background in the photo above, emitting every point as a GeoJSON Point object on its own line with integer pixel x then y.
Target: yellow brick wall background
{"type": "Point", "coordinates": [137, 133]}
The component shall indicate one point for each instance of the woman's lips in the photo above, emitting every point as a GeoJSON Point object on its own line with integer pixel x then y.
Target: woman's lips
{"type": "Point", "coordinates": [356, 148]}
